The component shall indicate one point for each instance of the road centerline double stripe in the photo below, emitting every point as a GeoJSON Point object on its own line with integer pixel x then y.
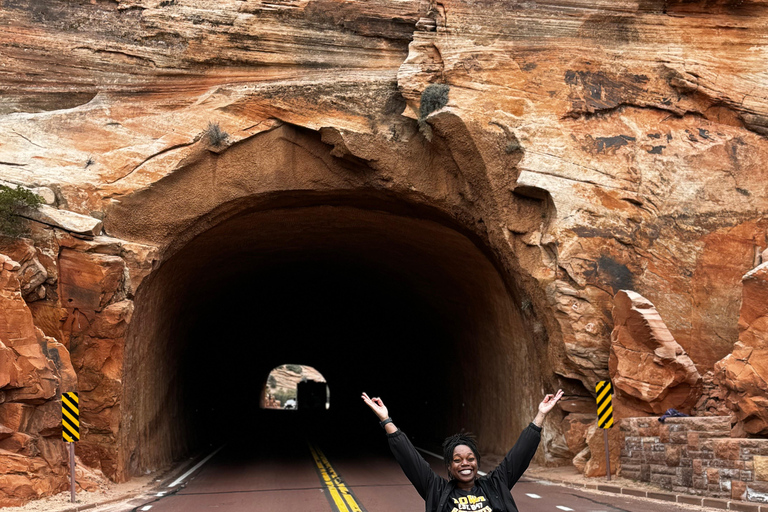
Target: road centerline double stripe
{"type": "Point", "coordinates": [339, 496]}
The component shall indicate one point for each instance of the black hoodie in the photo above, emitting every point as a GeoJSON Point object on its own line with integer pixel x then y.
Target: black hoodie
{"type": "Point", "coordinates": [495, 486]}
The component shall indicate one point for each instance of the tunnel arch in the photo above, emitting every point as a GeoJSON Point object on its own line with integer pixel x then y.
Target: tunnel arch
{"type": "Point", "coordinates": [404, 272]}
{"type": "Point", "coordinates": [337, 287]}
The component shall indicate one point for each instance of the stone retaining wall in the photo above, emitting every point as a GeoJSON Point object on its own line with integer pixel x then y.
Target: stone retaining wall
{"type": "Point", "coordinates": [695, 456]}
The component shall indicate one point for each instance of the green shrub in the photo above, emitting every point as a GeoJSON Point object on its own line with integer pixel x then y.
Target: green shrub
{"type": "Point", "coordinates": [434, 97]}
{"type": "Point", "coordinates": [295, 368]}
{"type": "Point", "coordinates": [271, 381]}
{"type": "Point", "coordinates": [12, 203]}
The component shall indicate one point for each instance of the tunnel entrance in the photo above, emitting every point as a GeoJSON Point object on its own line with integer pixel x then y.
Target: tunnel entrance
{"type": "Point", "coordinates": [398, 306]}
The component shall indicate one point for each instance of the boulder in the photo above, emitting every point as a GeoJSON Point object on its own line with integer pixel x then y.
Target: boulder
{"type": "Point", "coordinates": [581, 459]}
{"type": "Point", "coordinates": [650, 371]}
{"type": "Point", "coordinates": [595, 466]}
{"type": "Point", "coordinates": [575, 427]}
{"type": "Point", "coordinates": [744, 372]}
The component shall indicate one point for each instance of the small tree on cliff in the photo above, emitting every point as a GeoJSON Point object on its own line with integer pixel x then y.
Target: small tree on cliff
{"type": "Point", "coordinates": [216, 136]}
{"type": "Point", "coordinates": [12, 203]}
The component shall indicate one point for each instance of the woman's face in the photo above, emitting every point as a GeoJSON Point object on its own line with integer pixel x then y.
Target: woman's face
{"type": "Point", "coordinates": [463, 466]}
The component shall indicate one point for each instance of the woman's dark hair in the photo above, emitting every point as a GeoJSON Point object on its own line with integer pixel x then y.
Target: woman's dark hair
{"type": "Point", "coordinates": [455, 440]}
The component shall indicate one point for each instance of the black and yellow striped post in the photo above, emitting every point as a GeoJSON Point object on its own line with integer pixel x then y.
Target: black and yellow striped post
{"type": "Point", "coordinates": [70, 417]}
{"type": "Point", "coordinates": [70, 431]}
{"type": "Point", "coordinates": [605, 418]}
{"type": "Point", "coordinates": [604, 408]}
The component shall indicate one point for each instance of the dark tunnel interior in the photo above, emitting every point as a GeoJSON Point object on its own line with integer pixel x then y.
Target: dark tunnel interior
{"type": "Point", "coordinates": [348, 320]}
{"type": "Point", "coordinates": [400, 307]}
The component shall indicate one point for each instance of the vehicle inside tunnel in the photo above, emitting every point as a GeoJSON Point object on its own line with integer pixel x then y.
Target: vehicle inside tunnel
{"type": "Point", "coordinates": [398, 306]}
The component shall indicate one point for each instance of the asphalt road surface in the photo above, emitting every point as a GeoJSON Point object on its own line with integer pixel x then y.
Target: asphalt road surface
{"type": "Point", "coordinates": [292, 472]}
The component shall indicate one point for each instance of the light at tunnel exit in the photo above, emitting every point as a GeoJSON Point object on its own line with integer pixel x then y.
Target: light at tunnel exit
{"type": "Point", "coordinates": [293, 386]}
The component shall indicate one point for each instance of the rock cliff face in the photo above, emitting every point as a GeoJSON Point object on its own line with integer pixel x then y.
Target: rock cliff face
{"type": "Point", "coordinates": [584, 148]}
{"type": "Point", "coordinates": [34, 370]}
{"type": "Point", "coordinates": [744, 372]}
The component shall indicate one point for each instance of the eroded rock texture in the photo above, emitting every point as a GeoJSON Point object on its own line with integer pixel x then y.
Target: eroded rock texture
{"type": "Point", "coordinates": [650, 370]}
{"type": "Point", "coordinates": [34, 370]}
{"type": "Point", "coordinates": [744, 372]}
{"type": "Point", "coordinates": [583, 149]}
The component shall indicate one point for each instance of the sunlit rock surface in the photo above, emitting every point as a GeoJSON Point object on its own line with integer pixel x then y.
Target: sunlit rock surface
{"type": "Point", "coordinates": [585, 147]}
{"type": "Point", "coordinates": [744, 373]}
{"type": "Point", "coordinates": [34, 370]}
{"type": "Point", "coordinates": [650, 370]}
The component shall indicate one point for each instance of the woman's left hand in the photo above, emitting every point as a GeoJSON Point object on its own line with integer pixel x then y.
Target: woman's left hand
{"type": "Point", "coordinates": [549, 402]}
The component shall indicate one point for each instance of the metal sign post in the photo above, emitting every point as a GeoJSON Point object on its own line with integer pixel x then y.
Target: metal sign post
{"type": "Point", "coordinates": [70, 431]}
{"type": "Point", "coordinates": [605, 418]}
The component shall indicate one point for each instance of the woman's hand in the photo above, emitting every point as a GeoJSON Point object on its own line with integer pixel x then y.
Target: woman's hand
{"type": "Point", "coordinates": [377, 406]}
{"type": "Point", "coordinates": [549, 402]}
{"type": "Point", "coordinates": [545, 406]}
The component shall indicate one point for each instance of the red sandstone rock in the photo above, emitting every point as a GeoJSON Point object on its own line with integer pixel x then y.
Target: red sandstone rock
{"type": "Point", "coordinates": [575, 427]}
{"type": "Point", "coordinates": [584, 405]}
{"type": "Point", "coordinates": [33, 370]}
{"type": "Point", "coordinates": [744, 373]}
{"type": "Point", "coordinates": [581, 459]}
{"type": "Point", "coordinates": [650, 371]}
{"type": "Point", "coordinates": [89, 281]}
{"type": "Point", "coordinates": [5, 432]}
{"type": "Point", "coordinates": [591, 460]}
{"type": "Point", "coordinates": [31, 274]}
{"type": "Point", "coordinates": [595, 466]}
{"type": "Point", "coordinates": [8, 369]}
{"type": "Point", "coordinates": [22, 444]}
{"type": "Point", "coordinates": [15, 415]}
{"type": "Point", "coordinates": [585, 155]}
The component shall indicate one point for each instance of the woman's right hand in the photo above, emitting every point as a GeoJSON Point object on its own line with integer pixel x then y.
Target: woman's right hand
{"type": "Point", "coordinates": [377, 406]}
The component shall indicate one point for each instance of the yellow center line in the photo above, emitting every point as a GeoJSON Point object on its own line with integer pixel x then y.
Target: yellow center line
{"type": "Point", "coordinates": [336, 487]}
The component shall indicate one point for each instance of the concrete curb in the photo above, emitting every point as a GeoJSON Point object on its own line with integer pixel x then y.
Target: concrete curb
{"type": "Point", "coordinates": [742, 506]}
{"type": "Point", "coordinates": [127, 496]}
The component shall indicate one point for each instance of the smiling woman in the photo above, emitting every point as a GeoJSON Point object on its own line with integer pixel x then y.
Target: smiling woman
{"type": "Point", "coordinates": [464, 490]}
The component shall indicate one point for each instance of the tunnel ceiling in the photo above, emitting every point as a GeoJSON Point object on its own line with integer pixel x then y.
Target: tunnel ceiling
{"type": "Point", "coordinates": [399, 306]}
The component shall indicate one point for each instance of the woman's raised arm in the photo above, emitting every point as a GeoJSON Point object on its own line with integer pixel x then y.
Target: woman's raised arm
{"type": "Point", "coordinates": [381, 411]}
{"type": "Point", "coordinates": [545, 406]}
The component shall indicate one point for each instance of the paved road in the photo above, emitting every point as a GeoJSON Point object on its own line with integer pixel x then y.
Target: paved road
{"type": "Point", "coordinates": [280, 472]}
{"type": "Point", "coordinates": [303, 479]}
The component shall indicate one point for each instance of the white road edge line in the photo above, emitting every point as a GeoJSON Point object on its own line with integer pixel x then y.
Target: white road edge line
{"type": "Point", "coordinates": [534, 496]}
{"type": "Point", "coordinates": [146, 508]}
{"type": "Point", "coordinates": [185, 475]}
{"type": "Point", "coordinates": [566, 509]}
{"type": "Point", "coordinates": [422, 450]}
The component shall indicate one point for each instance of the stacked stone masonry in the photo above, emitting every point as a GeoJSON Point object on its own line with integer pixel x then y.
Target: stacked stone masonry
{"type": "Point", "coordinates": [695, 456]}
